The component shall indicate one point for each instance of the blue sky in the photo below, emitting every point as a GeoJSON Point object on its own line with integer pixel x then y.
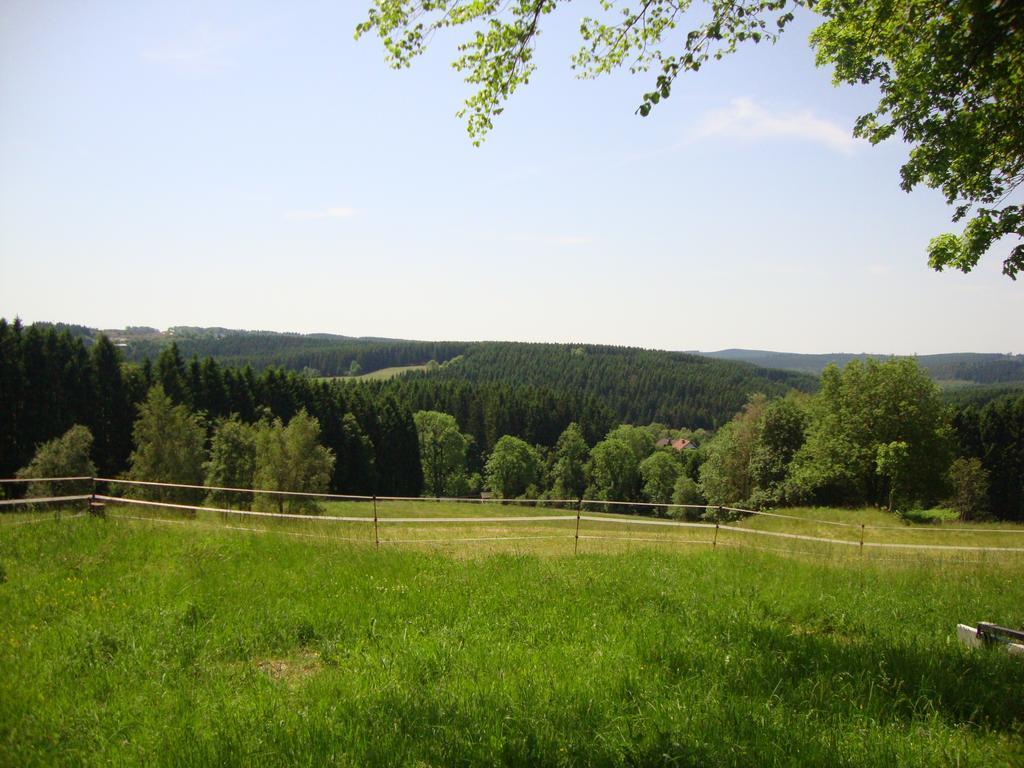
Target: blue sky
{"type": "Point", "coordinates": [250, 165]}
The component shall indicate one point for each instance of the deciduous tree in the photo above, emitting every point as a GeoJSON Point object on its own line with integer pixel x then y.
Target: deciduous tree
{"type": "Point", "coordinates": [169, 448]}
{"type": "Point", "coordinates": [725, 475]}
{"type": "Point", "coordinates": [232, 462]}
{"type": "Point", "coordinates": [868, 405]}
{"type": "Point", "coordinates": [512, 467]}
{"type": "Point", "coordinates": [570, 469]}
{"type": "Point", "coordinates": [614, 471]}
{"type": "Point", "coordinates": [291, 459]}
{"type": "Point", "coordinates": [659, 472]}
{"type": "Point", "coordinates": [892, 463]}
{"type": "Point", "coordinates": [64, 456]}
{"type": "Point", "coordinates": [442, 452]}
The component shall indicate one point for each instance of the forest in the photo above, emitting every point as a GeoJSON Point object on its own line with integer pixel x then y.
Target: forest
{"type": "Point", "coordinates": [965, 377]}
{"type": "Point", "coordinates": [541, 421]}
{"type": "Point", "coordinates": [639, 386]}
{"type": "Point", "coordinates": [965, 367]}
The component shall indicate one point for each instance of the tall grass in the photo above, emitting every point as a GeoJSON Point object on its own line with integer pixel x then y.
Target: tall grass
{"type": "Point", "coordinates": [129, 644]}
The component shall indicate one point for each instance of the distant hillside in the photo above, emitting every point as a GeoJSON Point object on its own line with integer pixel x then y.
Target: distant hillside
{"type": "Point", "coordinates": [318, 354]}
{"type": "Point", "coordinates": [965, 367]}
{"type": "Point", "coordinates": [638, 385]}
{"type": "Point", "coordinates": [634, 385]}
{"type": "Point", "coordinates": [314, 354]}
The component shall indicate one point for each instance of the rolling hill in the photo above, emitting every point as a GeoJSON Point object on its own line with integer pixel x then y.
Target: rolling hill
{"type": "Point", "coordinates": [950, 368]}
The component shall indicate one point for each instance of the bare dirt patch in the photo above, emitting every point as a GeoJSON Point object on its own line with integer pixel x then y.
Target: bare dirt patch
{"type": "Point", "coordinates": [291, 670]}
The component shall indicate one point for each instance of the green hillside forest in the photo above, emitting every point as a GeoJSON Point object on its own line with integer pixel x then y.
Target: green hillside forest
{"type": "Point", "coordinates": [534, 420]}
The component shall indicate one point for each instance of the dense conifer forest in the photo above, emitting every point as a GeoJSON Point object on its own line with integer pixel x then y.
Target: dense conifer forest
{"type": "Point", "coordinates": [639, 386]}
{"type": "Point", "coordinates": [317, 355]}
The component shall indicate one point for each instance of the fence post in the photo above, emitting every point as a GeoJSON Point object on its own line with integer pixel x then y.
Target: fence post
{"type": "Point", "coordinates": [96, 508]}
{"type": "Point", "coordinates": [376, 532]}
{"type": "Point", "coordinates": [862, 539]}
{"type": "Point", "coordinates": [576, 544]}
{"type": "Point", "coordinates": [714, 544]}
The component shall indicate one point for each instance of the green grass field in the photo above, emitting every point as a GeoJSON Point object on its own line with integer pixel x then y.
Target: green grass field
{"type": "Point", "coordinates": [608, 532]}
{"type": "Point", "coordinates": [187, 642]}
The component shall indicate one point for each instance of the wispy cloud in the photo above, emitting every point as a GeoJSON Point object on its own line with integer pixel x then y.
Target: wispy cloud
{"type": "Point", "coordinates": [745, 119]}
{"type": "Point", "coordinates": [322, 213]}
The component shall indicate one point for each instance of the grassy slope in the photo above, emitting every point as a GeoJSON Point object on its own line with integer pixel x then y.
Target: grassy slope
{"type": "Point", "coordinates": [388, 373]}
{"type": "Point", "coordinates": [381, 374]}
{"type": "Point", "coordinates": [125, 643]}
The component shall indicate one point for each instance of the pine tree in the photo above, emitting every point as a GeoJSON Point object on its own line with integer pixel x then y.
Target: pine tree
{"type": "Point", "coordinates": [111, 422]}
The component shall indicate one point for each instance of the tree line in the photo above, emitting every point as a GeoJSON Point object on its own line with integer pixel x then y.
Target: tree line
{"type": "Point", "coordinates": [875, 432]}
{"type": "Point", "coordinates": [312, 354]}
{"type": "Point", "coordinates": [49, 381]}
{"type": "Point", "coordinates": [636, 385]}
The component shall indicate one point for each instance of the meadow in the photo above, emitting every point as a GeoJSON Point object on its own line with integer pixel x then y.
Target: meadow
{"type": "Point", "coordinates": [125, 642]}
{"type": "Point", "coordinates": [381, 374]}
{"type": "Point", "coordinates": [472, 528]}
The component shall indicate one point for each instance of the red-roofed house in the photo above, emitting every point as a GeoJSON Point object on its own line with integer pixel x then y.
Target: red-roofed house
{"type": "Point", "coordinates": [680, 444]}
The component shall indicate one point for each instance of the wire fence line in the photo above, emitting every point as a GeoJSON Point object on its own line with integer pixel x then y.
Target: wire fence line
{"type": "Point", "coordinates": [98, 501]}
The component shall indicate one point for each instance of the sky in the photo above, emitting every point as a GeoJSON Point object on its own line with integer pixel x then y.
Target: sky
{"type": "Point", "coordinates": [251, 165]}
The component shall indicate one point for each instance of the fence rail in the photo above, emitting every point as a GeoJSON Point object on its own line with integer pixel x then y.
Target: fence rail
{"type": "Point", "coordinates": [98, 501]}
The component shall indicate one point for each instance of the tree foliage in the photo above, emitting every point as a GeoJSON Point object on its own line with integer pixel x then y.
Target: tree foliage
{"type": "Point", "coordinates": [995, 436]}
{"type": "Point", "coordinates": [442, 453]}
{"type": "Point", "coordinates": [892, 463]}
{"type": "Point", "coordinates": [950, 75]}
{"type": "Point", "coordinates": [686, 491]}
{"type": "Point", "coordinates": [513, 466]}
{"type": "Point", "coordinates": [64, 456]}
{"type": "Point", "coordinates": [232, 462]}
{"type": "Point", "coordinates": [659, 473]}
{"type": "Point", "coordinates": [354, 465]}
{"type": "Point", "coordinates": [569, 474]}
{"type": "Point", "coordinates": [169, 448]}
{"type": "Point", "coordinates": [327, 355]}
{"type": "Point", "coordinates": [782, 433]}
{"type": "Point", "coordinates": [968, 480]}
{"type": "Point", "coordinates": [858, 410]}
{"type": "Point", "coordinates": [614, 471]}
{"type": "Point", "coordinates": [599, 386]}
{"type": "Point", "coordinates": [725, 476]}
{"type": "Point", "coordinates": [822, 449]}
{"type": "Point", "coordinates": [291, 458]}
